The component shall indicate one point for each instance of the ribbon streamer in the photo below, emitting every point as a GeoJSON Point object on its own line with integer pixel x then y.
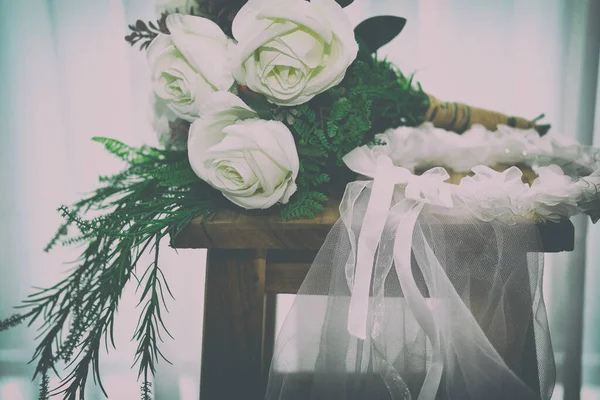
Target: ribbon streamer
{"type": "Point", "coordinates": [418, 191]}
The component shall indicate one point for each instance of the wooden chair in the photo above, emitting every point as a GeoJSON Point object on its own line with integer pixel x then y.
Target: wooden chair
{"type": "Point", "coordinates": [251, 259]}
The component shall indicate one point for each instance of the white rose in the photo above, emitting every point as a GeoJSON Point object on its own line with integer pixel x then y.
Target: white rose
{"type": "Point", "coordinates": [253, 162]}
{"type": "Point", "coordinates": [189, 63]}
{"type": "Point", "coordinates": [175, 6]}
{"type": "Point", "coordinates": [292, 50]}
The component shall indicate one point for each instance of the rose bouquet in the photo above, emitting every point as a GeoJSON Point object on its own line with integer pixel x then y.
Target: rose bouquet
{"type": "Point", "coordinates": [256, 104]}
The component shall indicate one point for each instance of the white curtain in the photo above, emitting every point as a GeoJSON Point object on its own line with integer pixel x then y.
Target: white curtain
{"type": "Point", "coordinates": [67, 75]}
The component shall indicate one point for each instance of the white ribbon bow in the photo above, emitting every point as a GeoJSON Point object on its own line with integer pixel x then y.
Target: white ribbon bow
{"type": "Point", "coordinates": [428, 188]}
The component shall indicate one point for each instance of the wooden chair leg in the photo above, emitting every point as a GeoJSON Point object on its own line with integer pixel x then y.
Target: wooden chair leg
{"type": "Point", "coordinates": [233, 325]}
{"type": "Point", "coordinates": [268, 334]}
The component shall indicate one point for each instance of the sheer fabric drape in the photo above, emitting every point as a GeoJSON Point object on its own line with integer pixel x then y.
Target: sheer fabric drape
{"type": "Point", "coordinates": [456, 319]}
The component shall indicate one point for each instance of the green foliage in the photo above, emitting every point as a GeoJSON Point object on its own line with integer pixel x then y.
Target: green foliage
{"type": "Point", "coordinates": [325, 130]}
{"type": "Point", "coordinates": [127, 153]}
{"type": "Point", "coordinates": [11, 322]}
{"type": "Point", "coordinates": [155, 196]}
{"type": "Point", "coordinates": [144, 33]}
{"type": "Point", "coordinates": [543, 128]}
{"type": "Point", "coordinates": [307, 203]}
{"type": "Point", "coordinates": [375, 32]}
{"type": "Point", "coordinates": [146, 390]}
{"type": "Point", "coordinates": [257, 102]}
{"type": "Point", "coordinates": [44, 388]}
{"type": "Point", "coordinates": [62, 231]}
{"type": "Point", "coordinates": [374, 96]}
{"type": "Point", "coordinates": [178, 174]}
{"type": "Point", "coordinates": [396, 99]}
{"type": "Point", "coordinates": [221, 12]}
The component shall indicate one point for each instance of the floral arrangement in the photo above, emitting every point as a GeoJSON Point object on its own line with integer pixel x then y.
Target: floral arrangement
{"type": "Point", "coordinates": [256, 104]}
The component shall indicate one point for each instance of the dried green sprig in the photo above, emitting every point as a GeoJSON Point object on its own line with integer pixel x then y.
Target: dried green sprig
{"type": "Point", "coordinates": [154, 197]}
{"type": "Point", "coordinates": [222, 12]}
{"type": "Point", "coordinates": [44, 393]}
{"type": "Point", "coordinates": [144, 33]}
{"type": "Point", "coordinates": [12, 321]}
{"type": "Point", "coordinates": [146, 390]}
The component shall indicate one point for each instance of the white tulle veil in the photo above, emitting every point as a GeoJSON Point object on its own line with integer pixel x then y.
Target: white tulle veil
{"type": "Point", "coordinates": [427, 290]}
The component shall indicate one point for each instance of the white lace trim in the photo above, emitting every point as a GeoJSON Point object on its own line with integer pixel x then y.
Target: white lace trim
{"type": "Point", "coordinates": [427, 146]}
{"type": "Point", "coordinates": [488, 194]}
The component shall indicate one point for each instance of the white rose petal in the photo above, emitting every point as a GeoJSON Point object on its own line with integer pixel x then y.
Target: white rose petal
{"type": "Point", "coordinates": [490, 194]}
{"type": "Point", "coordinates": [204, 46]}
{"type": "Point", "coordinates": [292, 50]}
{"type": "Point", "coordinates": [189, 64]}
{"type": "Point", "coordinates": [253, 162]}
{"type": "Point", "coordinates": [554, 195]}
